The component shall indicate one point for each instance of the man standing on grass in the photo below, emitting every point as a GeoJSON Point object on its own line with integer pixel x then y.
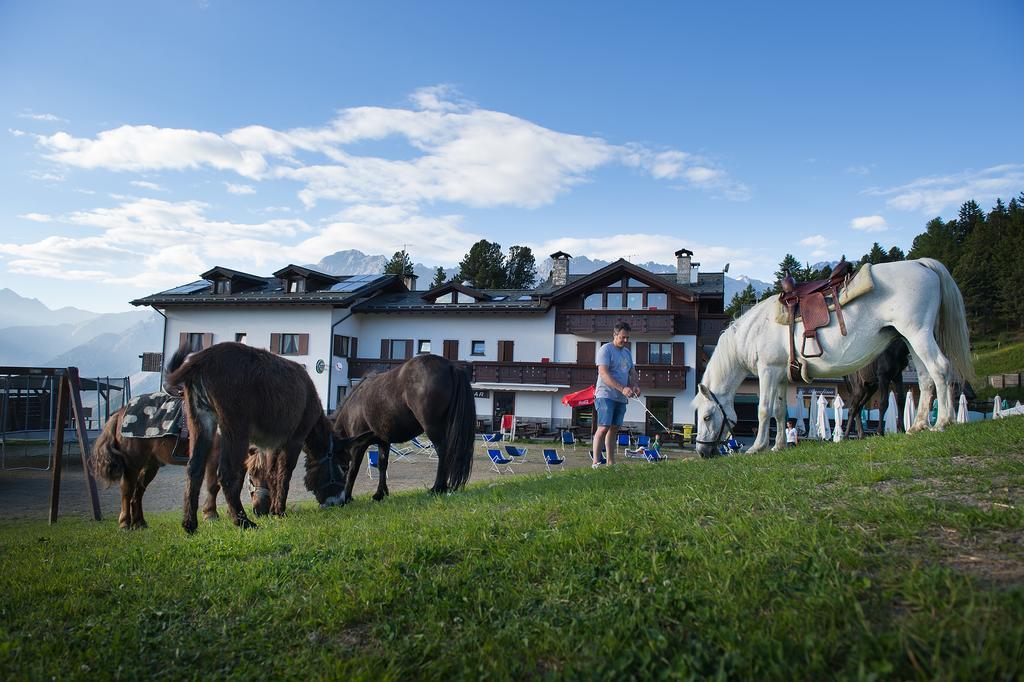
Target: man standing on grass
{"type": "Point", "coordinates": [616, 384]}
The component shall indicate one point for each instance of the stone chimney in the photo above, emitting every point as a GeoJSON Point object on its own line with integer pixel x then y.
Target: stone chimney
{"type": "Point", "coordinates": [409, 280]}
{"type": "Point", "coordinates": [560, 268]}
{"type": "Point", "coordinates": [683, 266]}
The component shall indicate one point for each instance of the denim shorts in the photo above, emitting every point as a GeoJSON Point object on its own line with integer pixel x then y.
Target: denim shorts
{"type": "Point", "coordinates": [610, 412]}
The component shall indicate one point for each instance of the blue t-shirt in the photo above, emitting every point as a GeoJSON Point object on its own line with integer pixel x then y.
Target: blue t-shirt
{"type": "Point", "coordinates": [618, 361]}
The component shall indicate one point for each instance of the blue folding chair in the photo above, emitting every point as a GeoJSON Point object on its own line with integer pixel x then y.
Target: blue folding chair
{"type": "Point", "coordinates": [551, 459]}
{"type": "Point", "coordinates": [643, 441]}
{"type": "Point", "coordinates": [623, 440]}
{"type": "Point", "coordinates": [400, 453]}
{"type": "Point", "coordinates": [498, 461]}
{"type": "Point", "coordinates": [425, 446]}
{"type": "Point", "coordinates": [653, 455]}
{"type": "Point", "coordinates": [372, 462]}
{"type": "Point", "coordinates": [490, 438]}
{"type": "Point", "coordinates": [517, 454]}
{"type": "Point", "coordinates": [568, 440]}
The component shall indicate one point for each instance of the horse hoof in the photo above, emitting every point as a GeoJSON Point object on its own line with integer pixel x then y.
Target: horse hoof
{"type": "Point", "coordinates": [140, 525]}
{"type": "Point", "coordinates": [189, 526]}
{"type": "Point", "coordinates": [244, 523]}
{"type": "Point", "coordinates": [377, 497]}
{"type": "Point", "coordinates": [438, 490]}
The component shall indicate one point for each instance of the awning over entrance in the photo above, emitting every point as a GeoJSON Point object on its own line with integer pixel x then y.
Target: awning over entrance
{"type": "Point", "coordinates": [500, 386]}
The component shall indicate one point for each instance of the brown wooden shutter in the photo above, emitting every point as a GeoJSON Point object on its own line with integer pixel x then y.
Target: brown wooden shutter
{"type": "Point", "coordinates": [353, 345]}
{"type": "Point", "coordinates": [207, 340]}
{"type": "Point", "coordinates": [385, 349]}
{"type": "Point", "coordinates": [643, 353]}
{"type": "Point", "coordinates": [586, 352]}
{"type": "Point", "coordinates": [275, 343]}
{"type": "Point", "coordinates": [336, 348]}
{"type": "Point", "coordinates": [451, 350]}
{"type": "Point", "coordinates": [408, 349]}
{"type": "Point", "coordinates": [303, 344]}
{"type": "Point", "coordinates": [182, 339]}
{"type": "Point", "coordinates": [678, 353]}
{"type": "Point", "coordinates": [506, 351]}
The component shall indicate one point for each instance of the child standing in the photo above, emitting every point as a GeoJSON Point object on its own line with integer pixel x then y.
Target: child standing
{"type": "Point", "coordinates": [791, 435]}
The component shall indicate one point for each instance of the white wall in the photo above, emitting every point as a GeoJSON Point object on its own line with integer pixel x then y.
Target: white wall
{"type": "Point", "coordinates": [258, 323]}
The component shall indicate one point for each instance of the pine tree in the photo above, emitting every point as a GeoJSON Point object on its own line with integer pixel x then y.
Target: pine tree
{"type": "Point", "coordinates": [520, 268]}
{"type": "Point", "coordinates": [875, 255]}
{"type": "Point", "coordinates": [744, 298]}
{"type": "Point", "coordinates": [439, 277]}
{"type": "Point", "coordinates": [400, 264]}
{"type": "Point", "coordinates": [936, 242]}
{"type": "Point", "coordinates": [895, 254]}
{"type": "Point", "coordinates": [483, 267]}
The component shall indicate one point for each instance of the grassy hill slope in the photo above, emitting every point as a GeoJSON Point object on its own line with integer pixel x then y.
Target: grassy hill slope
{"type": "Point", "coordinates": [998, 357]}
{"type": "Point", "coordinates": [898, 556]}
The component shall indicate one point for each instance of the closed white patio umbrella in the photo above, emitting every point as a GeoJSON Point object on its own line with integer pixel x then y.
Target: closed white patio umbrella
{"type": "Point", "coordinates": [997, 407]}
{"type": "Point", "coordinates": [824, 432]}
{"type": "Point", "coordinates": [800, 428]}
{"type": "Point", "coordinates": [961, 413]}
{"type": "Point", "coordinates": [812, 418]}
{"type": "Point", "coordinates": [909, 411]}
{"type": "Point", "coordinates": [890, 415]}
{"type": "Point", "coordinates": [837, 408]}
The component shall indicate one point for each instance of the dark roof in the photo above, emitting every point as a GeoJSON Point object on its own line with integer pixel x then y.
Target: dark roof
{"type": "Point", "coordinates": [680, 252]}
{"type": "Point", "coordinates": [231, 274]}
{"type": "Point", "coordinates": [616, 269]}
{"type": "Point", "coordinates": [349, 289]}
{"type": "Point", "coordinates": [498, 300]}
{"type": "Point", "coordinates": [559, 254]}
{"type": "Point", "coordinates": [707, 284]}
{"type": "Point", "coordinates": [451, 285]}
{"type": "Point", "coordinates": [307, 273]}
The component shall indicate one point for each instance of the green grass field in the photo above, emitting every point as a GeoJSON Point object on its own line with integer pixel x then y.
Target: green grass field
{"type": "Point", "coordinates": [900, 557]}
{"type": "Point", "coordinates": [998, 357]}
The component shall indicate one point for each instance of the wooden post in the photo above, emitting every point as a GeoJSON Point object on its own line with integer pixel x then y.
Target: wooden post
{"type": "Point", "coordinates": [58, 445]}
{"type": "Point", "coordinates": [83, 440]}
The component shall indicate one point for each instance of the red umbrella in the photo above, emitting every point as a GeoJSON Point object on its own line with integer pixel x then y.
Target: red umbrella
{"type": "Point", "coordinates": [580, 398]}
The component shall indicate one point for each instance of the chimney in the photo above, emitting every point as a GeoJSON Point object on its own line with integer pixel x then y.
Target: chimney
{"type": "Point", "coordinates": [694, 271]}
{"type": "Point", "coordinates": [560, 268]}
{"type": "Point", "coordinates": [409, 280]}
{"type": "Point", "coordinates": [683, 268]}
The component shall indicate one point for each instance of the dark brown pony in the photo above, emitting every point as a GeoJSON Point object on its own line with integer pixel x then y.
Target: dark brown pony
{"type": "Point", "coordinates": [425, 394]}
{"type": "Point", "coordinates": [886, 370]}
{"type": "Point", "coordinates": [133, 462]}
{"type": "Point", "coordinates": [252, 396]}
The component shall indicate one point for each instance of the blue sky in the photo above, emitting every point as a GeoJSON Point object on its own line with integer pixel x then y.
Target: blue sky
{"type": "Point", "coordinates": [144, 142]}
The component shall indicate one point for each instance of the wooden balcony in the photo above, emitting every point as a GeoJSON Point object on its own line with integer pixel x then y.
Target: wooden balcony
{"type": "Point", "coordinates": [602, 321]}
{"type": "Point", "coordinates": [544, 373]}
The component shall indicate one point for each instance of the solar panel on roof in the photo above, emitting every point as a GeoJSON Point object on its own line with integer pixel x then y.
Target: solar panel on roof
{"type": "Point", "coordinates": [189, 288]}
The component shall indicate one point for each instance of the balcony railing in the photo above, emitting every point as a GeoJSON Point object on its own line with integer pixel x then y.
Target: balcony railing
{"type": "Point", "coordinates": [544, 373]}
{"type": "Point", "coordinates": [601, 321]}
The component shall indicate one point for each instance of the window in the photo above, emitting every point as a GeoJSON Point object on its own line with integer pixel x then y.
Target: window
{"type": "Point", "coordinates": [342, 390]}
{"type": "Point", "coordinates": [342, 344]}
{"type": "Point", "coordinates": [614, 302]}
{"type": "Point", "coordinates": [657, 301]}
{"type": "Point", "coordinates": [661, 354]}
{"type": "Point", "coordinates": [636, 283]}
{"type": "Point", "coordinates": [447, 298]}
{"type": "Point", "coordinates": [240, 337]}
{"type": "Point", "coordinates": [195, 342]}
{"type": "Point", "coordinates": [593, 301]}
{"type": "Point", "coordinates": [397, 348]}
{"type": "Point", "coordinates": [423, 346]}
{"type": "Point", "coordinates": [222, 286]}
{"type": "Point", "coordinates": [296, 286]}
{"type": "Point", "coordinates": [477, 348]}
{"type": "Point", "coordinates": [289, 344]}
{"type": "Point", "coordinates": [635, 301]}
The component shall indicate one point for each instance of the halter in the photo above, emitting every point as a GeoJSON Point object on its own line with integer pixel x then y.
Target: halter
{"type": "Point", "coordinates": [329, 459]}
{"type": "Point", "coordinates": [726, 427]}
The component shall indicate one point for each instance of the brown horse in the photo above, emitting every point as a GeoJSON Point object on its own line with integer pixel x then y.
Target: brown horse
{"type": "Point", "coordinates": [133, 462]}
{"type": "Point", "coordinates": [425, 394]}
{"type": "Point", "coordinates": [250, 395]}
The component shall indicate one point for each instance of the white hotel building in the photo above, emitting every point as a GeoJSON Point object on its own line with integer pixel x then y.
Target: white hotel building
{"type": "Point", "coordinates": [525, 349]}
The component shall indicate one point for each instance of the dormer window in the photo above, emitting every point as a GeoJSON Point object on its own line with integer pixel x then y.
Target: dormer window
{"type": "Point", "coordinates": [297, 285]}
{"type": "Point", "coordinates": [447, 298]}
{"type": "Point", "coordinates": [222, 286]}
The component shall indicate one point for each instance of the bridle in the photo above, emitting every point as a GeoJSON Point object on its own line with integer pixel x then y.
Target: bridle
{"type": "Point", "coordinates": [725, 428]}
{"type": "Point", "coordinates": [328, 460]}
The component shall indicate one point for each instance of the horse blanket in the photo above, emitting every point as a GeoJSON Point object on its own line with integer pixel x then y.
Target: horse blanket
{"type": "Point", "coordinates": [154, 415]}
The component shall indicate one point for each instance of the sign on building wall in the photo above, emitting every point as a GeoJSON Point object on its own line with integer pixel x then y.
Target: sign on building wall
{"type": "Point", "coordinates": [481, 394]}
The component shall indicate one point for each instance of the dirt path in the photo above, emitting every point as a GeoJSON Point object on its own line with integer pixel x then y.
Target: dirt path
{"type": "Point", "coordinates": [25, 494]}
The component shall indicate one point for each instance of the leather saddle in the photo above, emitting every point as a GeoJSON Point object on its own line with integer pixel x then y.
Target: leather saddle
{"type": "Point", "coordinates": [810, 301]}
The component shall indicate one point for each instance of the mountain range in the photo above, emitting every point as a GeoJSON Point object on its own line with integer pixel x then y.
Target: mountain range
{"type": "Point", "coordinates": [109, 344]}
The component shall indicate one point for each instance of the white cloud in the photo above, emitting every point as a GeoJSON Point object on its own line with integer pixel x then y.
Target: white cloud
{"type": "Point", "coordinates": [45, 176]}
{"type": "Point", "coordinates": [869, 223]}
{"type": "Point", "coordinates": [41, 117]}
{"type": "Point", "coordinates": [931, 195]}
{"type": "Point", "coordinates": [16, 133]}
{"type": "Point", "coordinates": [858, 170]}
{"type": "Point", "coordinates": [820, 245]}
{"type": "Point", "coordinates": [37, 217]}
{"type": "Point", "coordinates": [239, 189]}
{"type": "Point", "coordinates": [461, 153]}
{"type": "Point", "coordinates": [145, 184]}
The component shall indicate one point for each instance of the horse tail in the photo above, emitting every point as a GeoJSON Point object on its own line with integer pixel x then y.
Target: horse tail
{"type": "Point", "coordinates": [108, 460]}
{"type": "Point", "coordinates": [460, 432]}
{"type": "Point", "coordinates": [177, 372]}
{"type": "Point", "coordinates": [951, 329]}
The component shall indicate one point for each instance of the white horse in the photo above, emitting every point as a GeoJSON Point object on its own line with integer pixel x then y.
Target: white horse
{"type": "Point", "coordinates": [915, 299]}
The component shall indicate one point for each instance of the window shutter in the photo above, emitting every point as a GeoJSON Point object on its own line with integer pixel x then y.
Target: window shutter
{"type": "Point", "coordinates": [585, 352]}
{"type": "Point", "coordinates": [408, 349]}
{"type": "Point", "coordinates": [303, 344]}
{"type": "Point", "coordinates": [352, 345]}
{"type": "Point", "coordinates": [643, 353]}
{"type": "Point", "coordinates": [385, 349]}
{"type": "Point", "coordinates": [275, 343]}
{"type": "Point", "coordinates": [678, 354]}
{"type": "Point", "coordinates": [337, 349]}
{"type": "Point", "coordinates": [451, 349]}
{"type": "Point", "coordinates": [510, 351]}
{"type": "Point", "coordinates": [207, 340]}
{"type": "Point", "coordinates": [182, 339]}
